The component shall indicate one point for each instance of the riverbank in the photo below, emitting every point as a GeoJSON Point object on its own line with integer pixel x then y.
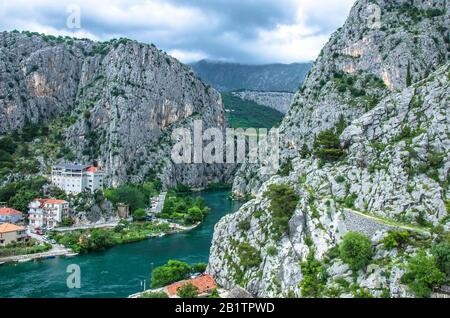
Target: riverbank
{"type": "Point", "coordinates": [119, 271]}
{"type": "Point", "coordinates": [54, 252]}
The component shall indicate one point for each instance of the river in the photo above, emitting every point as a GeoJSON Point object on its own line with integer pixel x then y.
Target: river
{"type": "Point", "coordinates": [119, 271]}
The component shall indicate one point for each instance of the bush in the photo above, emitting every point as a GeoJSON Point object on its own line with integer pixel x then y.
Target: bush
{"type": "Point", "coordinates": [139, 215]}
{"type": "Point", "coordinates": [248, 255]}
{"type": "Point", "coordinates": [356, 250]}
{"type": "Point", "coordinates": [441, 252]}
{"type": "Point", "coordinates": [154, 295]}
{"type": "Point", "coordinates": [188, 291]}
{"type": "Point", "coordinates": [396, 239]}
{"type": "Point", "coordinates": [286, 168]}
{"type": "Point", "coordinates": [199, 267]}
{"type": "Point", "coordinates": [422, 274]}
{"type": "Point", "coordinates": [327, 146]}
{"type": "Point", "coordinates": [173, 271]}
{"type": "Point", "coordinates": [284, 200]}
{"type": "Point", "coordinates": [314, 277]}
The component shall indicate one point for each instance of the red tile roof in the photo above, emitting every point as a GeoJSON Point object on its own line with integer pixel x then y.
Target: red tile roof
{"type": "Point", "coordinates": [50, 201]}
{"type": "Point", "coordinates": [9, 211]}
{"type": "Point", "coordinates": [91, 169]}
{"type": "Point", "coordinates": [7, 228]}
{"type": "Point", "coordinates": [204, 284]}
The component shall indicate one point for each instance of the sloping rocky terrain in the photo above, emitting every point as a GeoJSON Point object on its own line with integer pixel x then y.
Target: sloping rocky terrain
{"type": "Point", "coordinates": [366, 150]}
{"type": "Point", "coordinates": [280, 101]}
{"type": "Point", "coordinates": [115, 102]}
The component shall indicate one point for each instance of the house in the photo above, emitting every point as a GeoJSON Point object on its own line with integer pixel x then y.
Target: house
{"type": "Point", "coordinates": [11, 233]}
{"type": "Point", "coordinates": [76, 178]}
{"type": "Point", "coordinates": [204, 283]}
{"type": "Point", "coordinates": [46, 213]}
{"type": "Point", "coordinates": [8, 215]}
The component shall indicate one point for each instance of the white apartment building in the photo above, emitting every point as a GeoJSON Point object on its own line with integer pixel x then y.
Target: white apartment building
{"type": "Point", "coordinates": [76, 178]}
{"type": "Point", "coordinates": [46, 213]}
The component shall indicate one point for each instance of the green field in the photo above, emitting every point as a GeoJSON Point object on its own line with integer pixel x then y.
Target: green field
{"type": "Point", "coordinates": [247, 114]}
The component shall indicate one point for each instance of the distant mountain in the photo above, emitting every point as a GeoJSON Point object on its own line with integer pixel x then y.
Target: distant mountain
{"type": "Point", "coordinates": [270, 77]}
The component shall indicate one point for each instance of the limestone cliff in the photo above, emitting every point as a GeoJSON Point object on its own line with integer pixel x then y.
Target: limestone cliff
{"type": "Point", "coordinates": [385, 92]}
{"type": "Point", "coordinates": [118, 102]}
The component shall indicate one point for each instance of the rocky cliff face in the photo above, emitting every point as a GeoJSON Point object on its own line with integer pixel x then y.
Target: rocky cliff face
{"type": "Point", "coordinates": [120, 100]}
{"type": "Point", "coordinates": [392, 96]}
{"type": "Point", "coordinates": [280, 101]}
{"type": "Point", "coordinates": [270, 77]}
{"type": "Point", "coordinates": [362, 62]}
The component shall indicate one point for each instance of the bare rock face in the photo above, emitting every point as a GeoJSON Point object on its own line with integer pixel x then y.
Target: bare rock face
{"type": "Point", "coordinates": [280, 101]}
{"type": "Point", "coordinates": [394, 173]}
{"type": "Point", "coordinates": [362, 62]}
{"type": "Point", "coordinates": [121, 98]}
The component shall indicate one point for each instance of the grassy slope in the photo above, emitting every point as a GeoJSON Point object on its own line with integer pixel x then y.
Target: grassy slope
{"type": "Point", "coordinates": [246, 114]}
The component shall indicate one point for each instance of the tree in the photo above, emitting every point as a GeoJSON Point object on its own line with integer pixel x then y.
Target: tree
{"type": "Point", "coordinates": [188, 291]}
{"type": "Point", "coordinates": [199, 268]}
{"type": "Point", "coordinates": [327, 146]}
{"type": "Point", "coordinates": [126, 194]}
{"type": "Point", "coordinates": [408, 75]}
{"type": "Point", "coordinates": [422, 274]}
{"type": "Point", "coordinates": [314, 277]}
{"type": "Point", "coordinates": [173, 271]}
{"type": "Point", "coordinates": [99, 240]}
{"type": "Point", "coordinates": [194, 215]}
{"type": "Point", "coordinates": [356, 250]}
{"type": "Point", "coordinates": [284, 200]}
{"type": "Point", "coordinates": [441, 252]}
{"type": "Point", "coordinates": [139, 215]}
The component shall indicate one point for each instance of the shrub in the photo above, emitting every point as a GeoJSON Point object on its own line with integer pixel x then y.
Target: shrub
{"type": "Point", "coordinates": [188, 291]}
{"type": "Point", "coordinates": [139, 215]}
{"type": "Point", "coordinates": [173, 271]}
{"type": "Point", "coordinates": [248, 255]}
{"type": "Point", "coordinates": [314, 277]}
{"type": "Point", "coordinates": [441, 252]}
{"type": "Point", "coordinates": [327, 146]}
{"type": "Point", "coordinates": [356, 250]}
{"type": "Point", "coordinates": [422, 274]}
{"type": "Point", "coordinates": [154, 295]}
{"type": "Point", "coordinates": [396, 239]}
{"type": "Point", "coordinates": [286, 168]}
{"type": "Point", "coordinates": [244, 225]}
{"type": "Point", "coordinates": [284, 200]}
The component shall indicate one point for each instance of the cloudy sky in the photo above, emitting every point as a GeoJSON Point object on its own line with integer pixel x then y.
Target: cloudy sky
{"type": "Point", "coordinates": [245, 31]}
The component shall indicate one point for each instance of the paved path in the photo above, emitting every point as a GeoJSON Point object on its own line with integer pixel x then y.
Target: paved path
{"type": "Point", "coordinates": [85, 227]}
{"type": "Point", "coordinates": [161, 199]}
{"type": "Point", "coordinates": [57, 250]}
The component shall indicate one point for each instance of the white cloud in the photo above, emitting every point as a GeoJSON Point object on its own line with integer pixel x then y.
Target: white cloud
{"type": "Point", "coordinates": [277, 31]}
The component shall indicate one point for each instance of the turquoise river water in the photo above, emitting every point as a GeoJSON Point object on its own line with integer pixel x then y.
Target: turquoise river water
{"type": "Point", "coordinates": [119, 271]}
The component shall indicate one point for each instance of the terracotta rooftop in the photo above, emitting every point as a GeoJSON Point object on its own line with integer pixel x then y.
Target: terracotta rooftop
{"type": "Point", "coordinates": [204, 283]}
{"type": "Point", "coordinates": [9, 211]}
{"type": "Point", "coordinates": [7, 227]}
{"type": "Point", "coordinates": [91, 169]}
{"type": "Point", "coordinates": [50, 201]}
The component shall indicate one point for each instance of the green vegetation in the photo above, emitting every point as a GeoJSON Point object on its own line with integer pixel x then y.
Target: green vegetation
{"type": "Point", "coordinates": [249, 256]}
{"type": "Point", "coordinates": [327, 145]}
{"type": "Point", "coordinates": [154, 295]}
{"type": "Point", "coordinates": [422, 274]}
{"type": "Point", "coordinates": [188, 291]}
{"type": "Point", "coordinates": [284, 200]}
{"type": "Point", "coordinates": [286, 168]}
{"type": "Point", "coordinates": [135, 196]}
{"type": "Point", "coordinates": [441, 253]}
{"type": "Point", "coordinates": [356, 250]}
{"type": "Point", "coordinates": [100, 239]}
{"type": "Point", "coordinates": [19, 194]}
{"type": "Point", "coordinates": [183, 208]}
{"type": "Point", "coordinates": [248, 114]}
{"type": "Point", "coordinates": [314, 277]}
{"type": "Point", "coordinates": [396, 239]}
{"type": "Point", "coordinates": [24, 248]}
{"type": "Point", "coordinates": [172, 272]}
{"type": "Point", "coordinates": [139, 215]}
